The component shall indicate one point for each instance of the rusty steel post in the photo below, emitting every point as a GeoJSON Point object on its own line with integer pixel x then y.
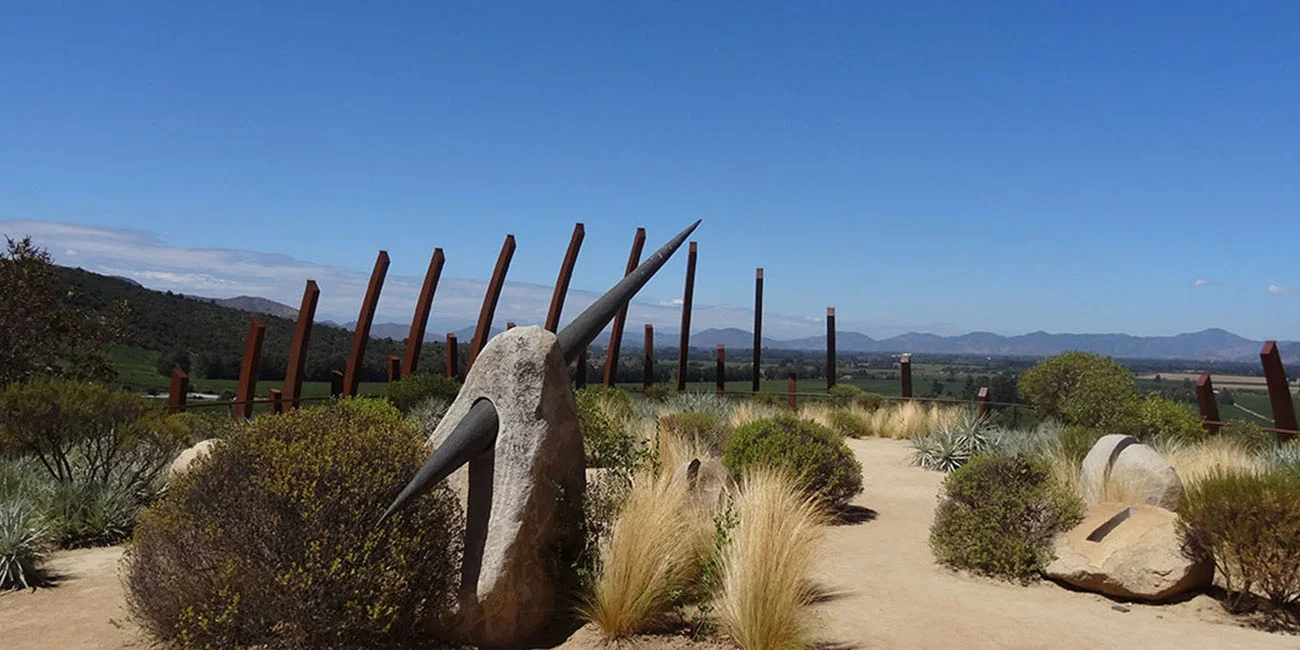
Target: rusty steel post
{"type": "Point", "coordinates": [688, 296]}
{"type": "Point", "coordinates": [648, 368]}
{"type": "Point", "coordinates": [905, 373]}
{"type": "Point", "coordinates": [1208, 404]}
{"type": "Point", "coordinates": [722, 369]}
{"type": "Point", "coordinates": [792, 387]}
{"type": "Point", "coordinates": [483, 331]}
{"type": "Point", "coordinates": [361, 337]}
{"type": "Point", "coordinates": [580, 379]}
{"type": "Point", "coordinates": [452, 354]}
{"type": "Point", "coordinates": [620, 319]}
{"type": "Point", "coordinates": [983, 397]}
{"type": "Point", "coordinates": [758, 329]}
{"type": "Point", "coordinates": [510, 325]}
{"type": "Point", "coordinates": [179, 391]}
{"type": "Point", "coordinates": [394, 368]}
{"type": "Point", "coordinates": [336, 383]}
{"type": "Point", "coordinates": [1279, 393]}
{"type": "Point", "coordinates": [566, 274]}
{"type": "Point", "coordinates": [415, 339]}
{"type": "Point", "coordinates": [252, 364]}
{"type": "Point", "coordinates": [296, 370]}
{"type": "Point", "coordinates": [830, 348]}
{"type": "Point", "coordinates": [276, 397]}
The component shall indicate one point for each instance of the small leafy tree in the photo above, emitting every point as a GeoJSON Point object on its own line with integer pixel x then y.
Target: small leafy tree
{"type": "Point", "coordinates": [1084, 389]}
{"type": "Point", "coordinates": [42, 330]}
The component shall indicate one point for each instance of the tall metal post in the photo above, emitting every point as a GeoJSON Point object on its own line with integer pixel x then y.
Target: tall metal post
{"type": "Point", "coordinates": [758, 329]}
{"type": "Point", "coordinates": [688, 296]}
{"type": "Point", "coordinates": [246, 391]}
{"type": "Point", "coordinates": [620, 319]}
{"type": "Point", "coordinates": [361, 337]}
{"type": "Point", "coordinates": [722, 369]}
{"type": "Point", "coordinates": [1279, 393]}
{"type": "Point", "coordinates": [830, 348]}
{"type": "Point", "coordinates": [423, 305]}
{"type": "Point", "coordinates": [566, 274]}
{"type": "Point", "coordinates": [180, 389]}
{"type": "Point", "coordinates": [483, 331]}
{"type": "Point", "coordinates": [296, 370]}
{"type": "Point", "coordinates": [452, 354]}
{"type": "Point", "coordinates": [1205, 400]}
{"type": "Point", "coordinates": [905, 373]}
{"type": "Point", "coordinates": [648, 367]}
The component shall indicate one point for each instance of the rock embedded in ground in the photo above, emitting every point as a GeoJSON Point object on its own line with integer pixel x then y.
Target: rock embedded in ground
{"type": "Point", "coordinates": [189, 456]}
{"type": "Point", "coordinates": [1124, 463]}
{"type": "Point", "coordinates": [522, 500]}
{"type": "Point", "coordinates": [1127, 552]}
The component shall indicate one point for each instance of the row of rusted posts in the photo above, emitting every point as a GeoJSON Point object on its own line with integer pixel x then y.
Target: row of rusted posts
{"type": "Point", "coordinates": [1279, 396]}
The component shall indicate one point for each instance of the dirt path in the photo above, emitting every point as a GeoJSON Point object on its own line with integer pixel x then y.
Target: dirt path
{"type": "Point", "coordinates": [886, 592]}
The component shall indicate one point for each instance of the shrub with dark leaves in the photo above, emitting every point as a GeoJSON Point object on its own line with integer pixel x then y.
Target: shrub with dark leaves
{"type": "Point", "coordinates": [807, 452]}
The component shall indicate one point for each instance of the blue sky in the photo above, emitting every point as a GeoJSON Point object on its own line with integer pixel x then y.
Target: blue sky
{"type": "Point", "coordinates": [933, 167]}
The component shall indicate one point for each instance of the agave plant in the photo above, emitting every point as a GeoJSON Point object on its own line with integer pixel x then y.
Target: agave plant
{"type": "Point", "coordinates": [23, 545]}
{"type": "Point", "coordinates": [953, 444]}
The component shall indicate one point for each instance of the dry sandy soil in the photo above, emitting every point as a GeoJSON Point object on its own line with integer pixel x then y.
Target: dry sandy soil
{"type": "Point", "coordinates": [884, 592]}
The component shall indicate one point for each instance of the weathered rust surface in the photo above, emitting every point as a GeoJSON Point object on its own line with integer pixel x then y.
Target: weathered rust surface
{"type": "Point", "coordinates": [688, 296]}
{"type": "Point", "coordinates": [566, 274]}
{"type": "Point", "coordinates": [296, 370]}
{"type": "Point", "coordinates": [1207, 403]}
{"type": "Point", "coordinates": [361, 337]}
{"type": "Point", "coordinates": [510, 325]}
{"type": "Point", "coordinates": [620, 319]}
{"type": "Point", "coordinates": [792, 387]}
{"type": "Point", "coordinates": [830, 348]}
{"type": "Point", "coordinates": [483, 331]}
{"type": "Point", "coordinates": [722, 369]}
{"type": "Point", "coordinates": [758, 329]}
{"type": "Point", "coordinates": [905, 374]}
{"type": "Point", "coordinates": [1279, 393]}
{"type": "Point", "coordinates": [180, 389]}
{"type": "Point", "coordinates": [580, 370]}
{"type": "Point", "coordinates": [983, 397]}
{"type": "Point", "coordinates": [394, 368]}
{"type": "Point", "coordinates": [415, 339]}
{"type": "Point", "coordinates": [276, 398]}
{"type": "Point", "coordinates": [252, 363]}
{"type": "Point", "coordinates": [336, 383]}
{"type": "Point", "coordinates": [452, 354]}
{"type": "Point", "coordinates": [648, 369]}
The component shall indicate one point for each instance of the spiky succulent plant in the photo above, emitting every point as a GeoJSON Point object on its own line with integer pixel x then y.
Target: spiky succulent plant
{"type": "Point", "coordinates": [953, 444]}
{"type": "Point", "coordinates": [23, 545]}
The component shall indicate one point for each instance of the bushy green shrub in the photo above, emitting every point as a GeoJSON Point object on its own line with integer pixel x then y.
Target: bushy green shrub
{"type": "Point", "coordinates": [843, 395]}
{"type": "Point", "coordinates": [998, 515]}
{"type": "Point", "coordinates": [705, 428]}
{"type": "Point", "coordinates": [90, 514]}
{"type": "Point", "coordinates": [1166, 419]}
{"type": "Point", "coordinates": [1250, 525]}
{"type": "Point", "coordinates": [768, 398]}
{"type": "Point", "coordinates": [83, 432]}
{"type": "Point", "coordinates": [1083, 389]}
{"type": "Point", "coordinates": [410, 390]}
{"type": "Point", "coordinates": [603, 416]}
{"type": "Point", "coordinates": [809, 453]}
{"type": "Point", "coordinates": [953, 445]}
{"type": "Point", "coordinates": [24, 545]}
{"type": "Point", "coordinates": [870, 401]}
{"type": "Point", "coordinates": [203, 424]}
{"type": "Point", "coordinates": [273, 542]}
{"type": "Point", "coordinates": [847, 423]}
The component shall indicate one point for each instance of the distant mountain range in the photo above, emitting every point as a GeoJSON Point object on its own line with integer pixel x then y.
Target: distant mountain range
{"type": "Point", "coordinates": [1206, 345]}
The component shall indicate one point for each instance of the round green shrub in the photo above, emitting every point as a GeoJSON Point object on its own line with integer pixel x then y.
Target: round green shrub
{"type": "Point", "coordinates": [1167, 419]}
{"type": "Point", "coordinates": [844, 394]}
{"type": "Point", "coordinates": [847, 423]}
{"type": "Point", "coordinates": [809, 453]}
{"type": "Point", "coordinates": [409, 391]}
{"type": "Point", "coordinates": [274, 541]}
{"type": "Point", "coordinates": [704, 427]}
{"type": "Point", "coordinates": [998, 515]}
{"type": "Point", "coordinates": [871, 401]}
{"type": "Point", "coordinates": [1083, 389]}
{"type": "Point", "coordinates": [1249, 524]}
{"type": "Point", "coordinates": [603, 416]}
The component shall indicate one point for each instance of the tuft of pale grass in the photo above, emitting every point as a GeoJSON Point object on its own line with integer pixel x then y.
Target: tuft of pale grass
{"type": "Point", "coordinates": [909, 419]}
{"type": "Point", "coordinates": [672, 450]}
{"type": "Point", "coordinates": [656, 548]}
{"type": "Point", "coordinates": [1064, 470]}
{"type": "Point", "coordinates": [746, 412]}
{"type": "Point", "coordinates": [766, 590]}
{"type": "Point", "coordinates": [1196, 462]}
{"type": "Point", "coordinates": [818, 412]}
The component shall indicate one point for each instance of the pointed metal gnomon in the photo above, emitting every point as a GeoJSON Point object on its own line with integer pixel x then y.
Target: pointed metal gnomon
{"type": "Point", "coordinates": [477, 432]}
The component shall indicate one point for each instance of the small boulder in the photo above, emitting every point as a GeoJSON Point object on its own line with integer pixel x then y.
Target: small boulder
{"type": "Point", "coordinates": [709, 481]}
{"type": "Point", "coordinates": [189, 456]}
{"type": "Point", "coordinates": [1127, 552]}
{"type": "Point", "coordinates": [1131, 467]}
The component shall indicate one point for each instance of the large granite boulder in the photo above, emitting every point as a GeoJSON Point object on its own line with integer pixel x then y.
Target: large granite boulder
{"type": "Point", "coordinates": [1131, 468]}
{"type": "Point", "coordinates": [1128, 552]}
{"type": "Point", "coordinates": [522, 500]}
{"type": "Point", "coordinates": [189, 457]}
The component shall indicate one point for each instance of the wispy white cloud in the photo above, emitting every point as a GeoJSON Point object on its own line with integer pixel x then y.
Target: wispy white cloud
{"type": "Point", "coordinates": [221, 273]}
{"type": "Point", "coordinates": [1201, 283]}
{"type": "Point", "coordinates": [1273, 288]}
